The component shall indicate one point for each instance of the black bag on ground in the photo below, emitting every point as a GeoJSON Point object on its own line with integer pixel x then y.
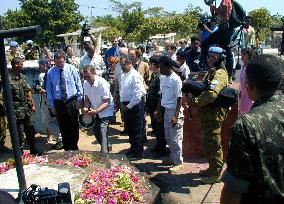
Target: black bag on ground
{"type": "Point", "coordinates": [238, 15]}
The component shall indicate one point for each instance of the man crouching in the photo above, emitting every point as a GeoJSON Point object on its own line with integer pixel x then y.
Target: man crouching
{"type": "Point", "coordinates": [98, 103]}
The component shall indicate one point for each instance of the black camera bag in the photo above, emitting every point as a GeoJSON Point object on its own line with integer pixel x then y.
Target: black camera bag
{"type": "Point", "coordinates": [238, 15]}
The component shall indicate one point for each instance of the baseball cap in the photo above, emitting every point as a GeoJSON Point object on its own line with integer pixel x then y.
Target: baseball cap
{"type": "Point", "coordinates": [216, 50]}
{"type": "Point", "coordinates": [13, 44]}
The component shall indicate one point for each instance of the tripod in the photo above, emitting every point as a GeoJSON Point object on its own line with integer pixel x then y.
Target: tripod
{"type": "Point", "coordinates": [240, 33]}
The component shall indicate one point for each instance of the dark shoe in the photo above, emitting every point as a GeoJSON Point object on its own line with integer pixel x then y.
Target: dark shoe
{"type": "Point", "coordinates": [123, 132]}
{"type": "Point", "coordinates": [36, 152]}
{"type": "Point", "coordinates": [145, 140]}
{"type": "Point", "coordinates": [130, 153]}
{"type": "Point", "coordinates": [57, 146]}
{"type": "Point", "coordinates": [159, 154]}
{"type": "Point", "coordinates": [137, 156]}
{"type": "Point", "coordinates": [204, 173]}
{"type": "Point", "coordinates": [155, 149]}
{"type": "Point", "coordinates": [211, 179]}
{"type": "Point", "coordinates": [5, 149]}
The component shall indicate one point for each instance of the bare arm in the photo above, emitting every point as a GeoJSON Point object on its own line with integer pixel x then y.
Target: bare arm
{"type": "Point", "coordinates": [104, 105]}
{"type": "Point", "coordinates": [30, 98]}
{"type": "Point", "coordinates": [229, 197]}
{"type": "Point", "coordinates": [87, 103]}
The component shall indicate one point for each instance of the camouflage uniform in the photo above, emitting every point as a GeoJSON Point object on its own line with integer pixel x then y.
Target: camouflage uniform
{"type": "Point", "coordinates": [255, 160]}
{"type": "Point", "coordinates": [22, 109]}
{"type": "Point", "coordinates": [10, 57]}
{"type": "Point", "coordinates": [31, 55]}
{"type": "Point", "coordinates": [3, 123]}
{"type": "Point", "coordinates": [212, 118]}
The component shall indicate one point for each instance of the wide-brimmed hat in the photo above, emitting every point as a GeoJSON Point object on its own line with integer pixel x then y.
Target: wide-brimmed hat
{"type": "Point", "coordinates": [86, 121]}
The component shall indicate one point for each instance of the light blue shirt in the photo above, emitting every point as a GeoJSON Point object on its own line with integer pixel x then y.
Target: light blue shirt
{"type": "Point", "coordinates": [72, 83]}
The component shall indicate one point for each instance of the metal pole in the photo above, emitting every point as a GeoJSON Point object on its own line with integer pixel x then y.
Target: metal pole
{"type": "Point", "coordinates": [10, 116]}
{"type": "Point", "coordinates": [25, 31]}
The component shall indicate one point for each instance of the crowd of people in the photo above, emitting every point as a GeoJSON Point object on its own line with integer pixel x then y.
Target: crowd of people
{"type": "Point", "coordinates": [141, 81]}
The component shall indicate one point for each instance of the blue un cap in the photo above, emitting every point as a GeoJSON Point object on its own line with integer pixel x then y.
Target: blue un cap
{"type": "Point", "coordinates": [216, 50]}
{"type": "Point", "coordinates": [29, 42]}
{"type": "Point", "coordinates": [13, 44]}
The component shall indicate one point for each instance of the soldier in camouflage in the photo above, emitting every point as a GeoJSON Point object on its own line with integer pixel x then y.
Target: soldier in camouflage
{"type": "Point", "coordinates": [255, 162]}
{"type": "Point", "coordinates": [212, 117]}
{"type": "Point", "coordinates": [23, 105]}
{"type": "Point", "coordinates": [31, 52]}
{"type": "Point", "coordinates": [14, 52]}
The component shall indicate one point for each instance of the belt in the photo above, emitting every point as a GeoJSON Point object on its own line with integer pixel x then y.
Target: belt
{"type": "Point", "coordinates": [127, 102]}
{"type": "Point", "coordinates": [68, 100]}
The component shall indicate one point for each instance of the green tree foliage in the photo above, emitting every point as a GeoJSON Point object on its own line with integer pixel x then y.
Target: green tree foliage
{"type": "Point", "coordinates": [261, 21]}
{"type": "Point", "coordinates": [54, 16]}
{"type": "Point", "coordinates": [136, 24]}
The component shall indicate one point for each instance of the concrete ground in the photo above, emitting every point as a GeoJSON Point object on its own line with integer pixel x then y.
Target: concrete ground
{"type": "Point", "coordinates": [181, 188]}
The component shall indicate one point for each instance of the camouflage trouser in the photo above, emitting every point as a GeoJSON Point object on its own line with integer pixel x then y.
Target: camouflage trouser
{"type": "Point", "coordinates": [211, 141]}
{"type": "Point", "coordinates": [3, 128]}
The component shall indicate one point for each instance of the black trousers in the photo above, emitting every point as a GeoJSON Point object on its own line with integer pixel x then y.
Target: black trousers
{"type": "Point", "coordinates": [134, 122]}
{"type": "Point", "coordinates": [67, 116]}
{"type": "Point", "coordinates": [26, 126]}
{"type": "Point", "coordinates": [159, 131]}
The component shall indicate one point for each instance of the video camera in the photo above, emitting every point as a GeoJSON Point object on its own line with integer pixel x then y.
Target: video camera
{"type": "Point", "coordinates": [204, 20]}
{"type": "Point", "coordinates": [37, 87]}
{"type": "Point", "coordinates": [86, 27]}
{"type": "Point", "coordinates": [36, 195]}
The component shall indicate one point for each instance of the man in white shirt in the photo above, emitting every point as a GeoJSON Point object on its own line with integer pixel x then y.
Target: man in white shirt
{"type": "Point", "coordinates": [98, 103]}
{"type": "Point", "coordinates": [132, 105]}
{"type": "Point", "coordinates": [117, 79]}
{"type": "Point", "coordinates": [171, 100]}
{"type": "Point", "coordinates": [91, 58]}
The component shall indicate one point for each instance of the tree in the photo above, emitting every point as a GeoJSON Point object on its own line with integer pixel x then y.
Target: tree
{"type": "Point", "coordinates": [119, 7]}
{"type": "Point", "coordinates": [261, 19]}
{"type": "Point", "coordinates": [54, 16]}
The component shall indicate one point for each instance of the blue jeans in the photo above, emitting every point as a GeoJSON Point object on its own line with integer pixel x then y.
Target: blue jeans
{"type": "Point", "coordinates": [100, 129]}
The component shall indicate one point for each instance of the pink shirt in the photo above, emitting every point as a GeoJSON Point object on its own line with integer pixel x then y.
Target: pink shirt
{"type": "Point", "coordinates": [245, 101]}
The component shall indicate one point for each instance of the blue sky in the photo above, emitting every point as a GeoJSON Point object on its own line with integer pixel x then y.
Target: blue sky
{"type": "Point", "coordinates": [101, 6]}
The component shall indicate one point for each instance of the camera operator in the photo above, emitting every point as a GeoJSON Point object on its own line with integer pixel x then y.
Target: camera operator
{"type": "Point", "coordinates": [208, 27]}
{"type": "Point", "coordinates": [211, 116]}
{"type": "Point", "coordinates": [93, 59]}
{"type": "Point", "coordinates": [222, 36]}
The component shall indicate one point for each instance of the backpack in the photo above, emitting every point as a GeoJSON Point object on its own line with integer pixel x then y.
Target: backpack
{"type": "Point", "coordinates": [238, 15]}
{"type": "Point", "coordinates": [226, 98]}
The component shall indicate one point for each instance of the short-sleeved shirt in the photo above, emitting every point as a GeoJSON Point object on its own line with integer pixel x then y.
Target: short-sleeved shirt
{"type": "Point", "coordinates": [170, 87]}
{"type": "Point", "coordinates": [98, 92]}
{"type": "Point", "coordinates": [20, 88]}
{"type": "Point", "coordinates": [131, 88]}
{"type": "Point", "coordinates": [256, 153]}
{"type": "Point", "coordinates": [97, 62]}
